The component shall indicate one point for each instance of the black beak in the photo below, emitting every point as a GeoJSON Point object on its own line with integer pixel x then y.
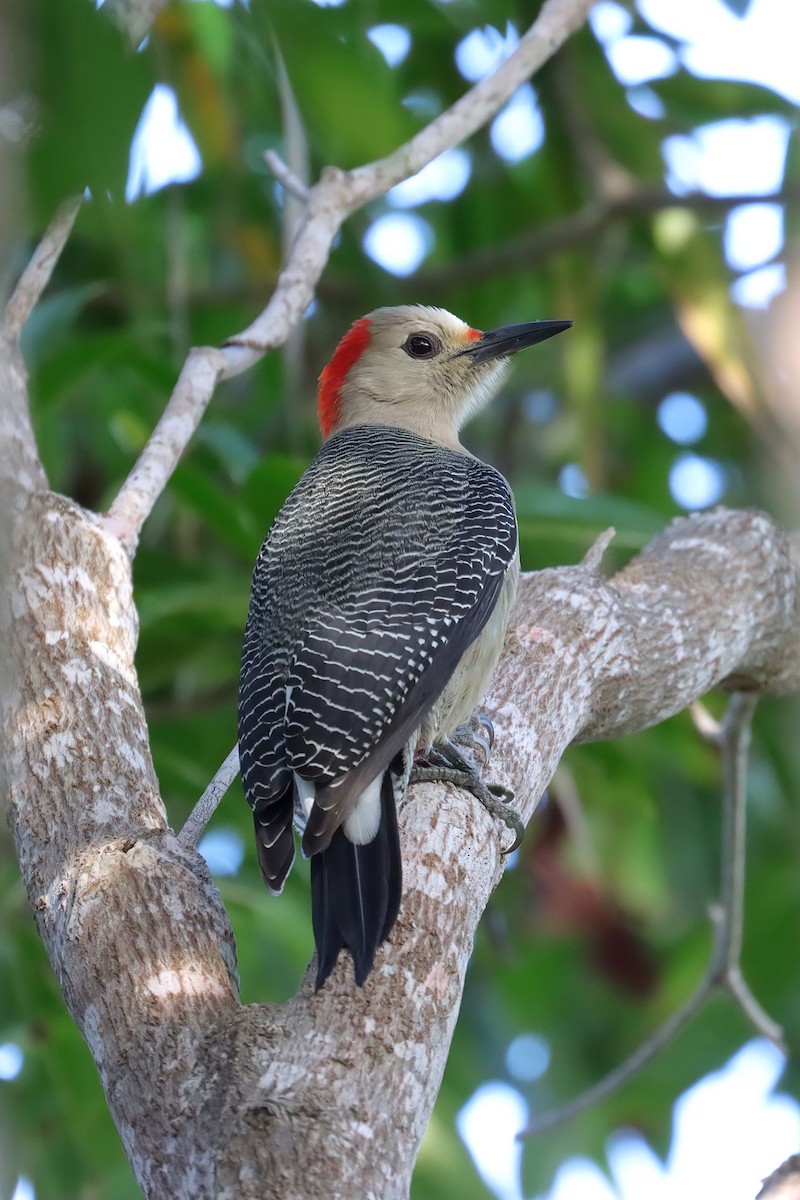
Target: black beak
{"type": "Point", "coordinates": [499, 343]}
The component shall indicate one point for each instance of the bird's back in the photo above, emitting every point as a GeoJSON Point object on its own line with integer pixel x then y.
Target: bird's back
{"type": "Point", "coordinates": [383, 548]}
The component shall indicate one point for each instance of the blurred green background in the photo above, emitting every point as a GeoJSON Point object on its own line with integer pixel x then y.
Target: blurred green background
{"type": "Point", "coordinates": [666, 396]}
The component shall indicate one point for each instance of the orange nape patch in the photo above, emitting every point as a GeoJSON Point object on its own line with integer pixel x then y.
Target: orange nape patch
{"type": "Point", "coordinates": [473, 335]}
{"type": "Point", "coordinates": [331, 380]}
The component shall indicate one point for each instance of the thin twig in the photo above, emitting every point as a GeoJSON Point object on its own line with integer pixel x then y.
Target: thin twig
{"type": "Point", "coordinates": [735, 750]}
{"type": "Point", "coordinates": [285, 176]}
{"type": "Point", "coordinates": [614, 1080]}
{"type": "Point", "coordinates": [206, 806]}
{"type": "Point", "coordinates": [335, 196]}
{"type": "Point", "coordinates": [338, 193]}
{"type": "Point", "coordinates": [564, 233]}
{"type": "Point", "coordinates": [723, 971]}
{"type": "Point", "coordinates": [726, 961]}
{"type": "Point", "coordinates": [557, 19]}
{"type": "Point", "coordinates": [21, 470]}
{"type": "Point", "coordinates": [36, 276]}
{"type": "Point", "coordinates": [758, 1018]}
{"type": "Point", "coordinates": [594, 555]}
{"type": "Point", "coordinates": [705, 723]}
{"type": "Point", "coordinates": [166, 444]}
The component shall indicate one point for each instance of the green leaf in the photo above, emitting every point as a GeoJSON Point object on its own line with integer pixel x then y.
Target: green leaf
{"type": "Point", "coordinates": [225, 514]}
{"type": "Point", "coordinates": [268, 485]}
{"type": "Point", "coordinates": [91, 88]}
{"type": "Point", "coordinates": [222, 597]}
{"type": "Point", "coordinates": [546, 515]}
{"type": "Point", "coordinates": [53, 317]}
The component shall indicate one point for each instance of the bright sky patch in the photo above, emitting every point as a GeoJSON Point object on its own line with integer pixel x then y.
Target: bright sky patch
{"type": "Point", "coordinates": [393, 41]}
{"type": "Point", "coordinates": [398, 242]}
{"type": "Point", "coordinates": [223, 850]}
{"type": "Point", "coordinates": [682, 417]}
{"type": "Point", "coordinates": [163, 150]}
{"type": "Point", "coordinates": [443, 179]}
{"type": "Point", "coordinates": [636, 60]}
{"type": "Point", "coordinates": [11, 1059]}
{"type": "Point", "coordinates": [528, 1057]}
{"type": "Point", "coordinates": [518, 129]}
{"type": "Point", "coordinates": [753, 234]}
{"type": "Point", "coordinates": [758, 288]}
{"type": "Point", "coordinates": [696, 482]}
{"type": "Point", "coordinates": [728, 158]}
{"type": "Point", "coordinates": [482, 50]}
{"type": "Point", "coordinates": [488, 1124]}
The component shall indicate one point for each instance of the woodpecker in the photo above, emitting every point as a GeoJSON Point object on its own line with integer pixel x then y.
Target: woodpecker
{"type": "Point", "coordinates": [378, 608]}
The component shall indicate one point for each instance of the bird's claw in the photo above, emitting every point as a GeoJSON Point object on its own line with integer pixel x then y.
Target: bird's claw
{"type": "Point", "coordinates": [444, 764]}
{"type": "Point", "coordinates": [476, 734]}
{"type": "Point", "coordinates": [502, 798]}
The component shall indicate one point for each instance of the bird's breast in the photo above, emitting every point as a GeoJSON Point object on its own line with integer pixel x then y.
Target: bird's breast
{"type": "Point", "coordinates": [472, 675]}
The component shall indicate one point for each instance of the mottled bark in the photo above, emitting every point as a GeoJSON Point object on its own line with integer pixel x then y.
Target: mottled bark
{"type": "Point", "coordinates": [330, 1094]}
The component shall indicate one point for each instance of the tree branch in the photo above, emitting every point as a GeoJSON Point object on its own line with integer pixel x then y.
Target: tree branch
{"type": "Point", "coordinates": [286, 177]}
{"type": "Point", "coordinates": [169, 439]}
{"type": "Point", "coordinates": [734, 745]}
{"type": "Point", "coordinates": [330, 201]}
{"type": "Point", "coordinates": [725, 967]}
{"type": "Point", "coordinates": [627, 1070]}
{"type": "Point", "coordinates": [36, 276]}
{"type": "Point", "coordinates": [21, 471]}
{"type": "Point", "coordinates": [586, 223]}
{"type": "Point", "coordinates": [783, 1184]}
{"type": "Point", "coordinates": [208, 803]}
{"type": "Point", "coordinates": [732, 738]}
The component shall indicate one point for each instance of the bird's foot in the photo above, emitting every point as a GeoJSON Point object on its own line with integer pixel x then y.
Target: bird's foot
{"type": "Point", "coordinates": [444, 763]}
{"type": "Point", "coordinates": [476, 735]}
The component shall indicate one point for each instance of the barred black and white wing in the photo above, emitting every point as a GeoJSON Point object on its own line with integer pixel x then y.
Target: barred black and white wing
{"type": "Point", "coordinates": [381, 569]}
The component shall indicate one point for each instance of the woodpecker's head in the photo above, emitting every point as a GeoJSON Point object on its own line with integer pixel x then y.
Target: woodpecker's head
{"type": "Point", "coordinates": [420, 368]}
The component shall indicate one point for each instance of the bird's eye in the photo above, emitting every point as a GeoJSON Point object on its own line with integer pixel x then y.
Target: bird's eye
{"type": "Point", "coordinates": [422, 345]}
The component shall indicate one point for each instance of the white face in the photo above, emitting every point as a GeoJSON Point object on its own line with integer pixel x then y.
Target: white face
{"type": "Point", "coordinates": [414, 373]}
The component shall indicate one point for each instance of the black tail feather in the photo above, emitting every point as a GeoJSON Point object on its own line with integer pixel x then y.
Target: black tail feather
{"type": "Point", "coordinates": [355, 893]}
{"type": "Point", "coordinates": [275, 840]}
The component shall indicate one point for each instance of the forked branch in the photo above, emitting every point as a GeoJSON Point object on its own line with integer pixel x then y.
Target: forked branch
{"type": "Point", "coordinates": [329, 202]}
{"type": "Point", "coordinates": [732, 737]}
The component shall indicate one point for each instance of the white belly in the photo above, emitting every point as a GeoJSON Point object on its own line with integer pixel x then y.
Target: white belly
{"type": "Point", "coordinates": [471, 677]}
